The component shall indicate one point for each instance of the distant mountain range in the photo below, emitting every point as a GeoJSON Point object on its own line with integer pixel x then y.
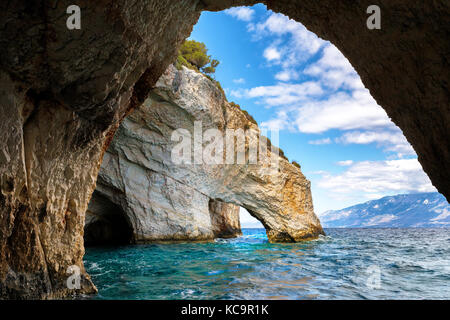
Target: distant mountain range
{"type": "Point", "coordinates": [421, 210]}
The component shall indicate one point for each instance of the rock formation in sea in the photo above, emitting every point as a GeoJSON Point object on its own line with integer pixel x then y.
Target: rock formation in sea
{"type": "Point", "coordinates": [165, 200]}
{"type": "Point", "coordinates": [64, 92]}
{"type": "Point", "coordinates": [174, 212]}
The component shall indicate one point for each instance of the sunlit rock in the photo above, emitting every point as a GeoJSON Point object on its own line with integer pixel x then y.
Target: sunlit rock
{"type": "Point", "coordinates": [164, 200]}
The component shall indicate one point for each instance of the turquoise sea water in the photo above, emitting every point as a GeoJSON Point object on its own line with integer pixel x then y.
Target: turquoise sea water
{"type": "Point", "coordinates": [345, 264]}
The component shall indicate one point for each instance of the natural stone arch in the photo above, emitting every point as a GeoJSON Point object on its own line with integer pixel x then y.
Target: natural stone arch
{"type": "Point", "coordinates": [69, 90]}
{"type": "Point", "coordinates": [158, 207]}
{"type": "Point", "coordinates": [166, 200]}
{"type": "Point", "coordinates": [225, 219]}
{"type": "Point", "coordinates": [106, 223]}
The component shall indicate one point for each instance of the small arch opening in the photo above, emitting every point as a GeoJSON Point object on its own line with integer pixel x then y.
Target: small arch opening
{"type": "Point", "coordinates": [224, 219]}
{"type": "Point", "coordinates": [230, 220]}
{"type": "Point", "coordinates": [248, 221]}
{"type": "Point", "coordinates": [106, 223]}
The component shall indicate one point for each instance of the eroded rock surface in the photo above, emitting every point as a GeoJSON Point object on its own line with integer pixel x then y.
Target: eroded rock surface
{"type": "Point", "coordinates": [154, 206]}
{"type": "Point", "coordinates": [140, 173]}
{"type": "Point", "coordinates": [62, 95]}
{"type": "Point", "coordinates": [225, 219]}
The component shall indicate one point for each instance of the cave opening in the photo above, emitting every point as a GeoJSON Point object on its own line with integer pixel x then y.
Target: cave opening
{"type": "Point", "coordinates": [230, 220]}
{"type": "Point", "coordinates": [248, 221]}
{"type": "Point", "coordinates": [106, 224]}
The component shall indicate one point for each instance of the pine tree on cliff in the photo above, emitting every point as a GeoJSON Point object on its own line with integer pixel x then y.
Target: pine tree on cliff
{"type": "Point", "coordinates": [194, 55]}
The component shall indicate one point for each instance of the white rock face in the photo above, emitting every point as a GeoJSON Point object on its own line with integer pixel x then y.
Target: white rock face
{"type": "Point", "coordinates": [157, 207]}
{"type": "Point", "coordinates": [167, 201]}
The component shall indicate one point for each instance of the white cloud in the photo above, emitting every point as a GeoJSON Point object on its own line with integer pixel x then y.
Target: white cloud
{"type": "Point", "coordinates": [301, 39]}
{"type": "Point", "coordinates": [293, 43]}
{"type": "Point", "coordinates": [279, 123]}
{"type": "Point", "coordinates": [341, 103]}
{"type": "Point", "coordinates": [345, 163]}
{"type": "Point", "coordinates": [237, 93]}
{"type": "Point", "coordinates": [320, 141]}
{"type": "Point", "coordinates": [333, 98]}
{"type": "Point", "coordinates": [374, 196]}
{"type": "Point", "coordinates": [334, 70]}
{"type": "Point", "coordinates": [239, 81]}
{"type": "Point", "coordinates": [379, 177]}
{"type": "Point", "coordinates": [241, 13]}
{"type": "Point", "coordinates": [272, 53]}
{"type": "Point", "coordinates": [283, 93]}
{"type": "Point", "coordinates": [341, 111]}
{"type": "Point", "coordinates": [305, 110]}
{"type": "Point", "coordinates": [286, 75]}
{"type": "Point", "coordinates": [248, 221]}
{"type": "Point", "coordinates": [275, 124]}
{"type": "Point", "coordinates": [369, 137]}
{"type": "Point", "coordinates": [390, 140]}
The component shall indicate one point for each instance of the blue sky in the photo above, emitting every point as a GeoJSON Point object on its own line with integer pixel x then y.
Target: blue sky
{"type": "Point", "coordinates": [290, 80]}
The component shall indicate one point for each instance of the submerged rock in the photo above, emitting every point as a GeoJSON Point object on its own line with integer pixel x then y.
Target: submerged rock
{"type": "Point", "coordinates": [163, 200]}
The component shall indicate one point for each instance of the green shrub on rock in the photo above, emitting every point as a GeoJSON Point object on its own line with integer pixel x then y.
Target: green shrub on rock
{"type": "Point", "coordinates": [194, 55]}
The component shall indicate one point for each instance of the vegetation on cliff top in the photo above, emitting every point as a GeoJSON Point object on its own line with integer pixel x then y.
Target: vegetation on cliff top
{"type": "Point", "coordinates": [194, 55]}
{"type": "Point", "coordinates": [295, 163]}
{"type": "Point", "coordinates": [247, 115]}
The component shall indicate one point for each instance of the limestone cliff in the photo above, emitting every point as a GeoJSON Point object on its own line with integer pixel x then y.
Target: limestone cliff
{"type": "Point", "coordinates": [62, 95]}
{"type": "Point", "coordinates": [166, 200]}
{"type": "Point", "coordinates": [225, 219]}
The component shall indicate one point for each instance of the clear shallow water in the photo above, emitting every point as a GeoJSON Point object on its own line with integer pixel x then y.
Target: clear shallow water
{"type": "Point", "coordinates": [413, 264]}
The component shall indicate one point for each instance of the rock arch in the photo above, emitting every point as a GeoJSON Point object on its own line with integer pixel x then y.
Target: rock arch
{"type": "Point", "coordinates": [63, 94]}
{"type": "Point", "coordinates": [225, 219]}
{"type": "Point", "coordinates": [106, 223]}
{"type": "Point", "coordinates": [169, 201]}
{"type": "Point", "coordinates": [157, 206]}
